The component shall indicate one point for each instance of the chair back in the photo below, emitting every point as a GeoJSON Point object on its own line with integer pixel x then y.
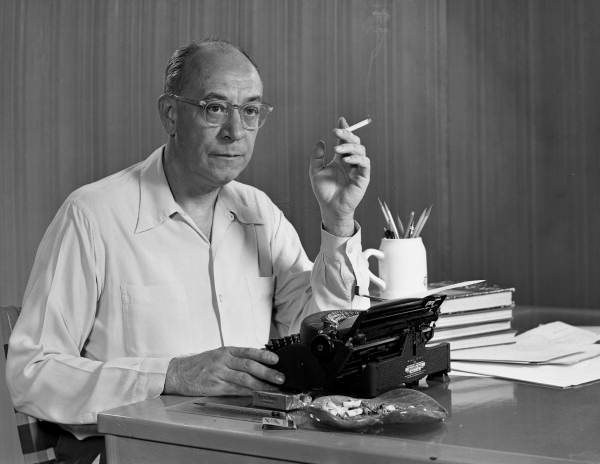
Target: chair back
{"type": "Point", "coordinates": [25, 439]}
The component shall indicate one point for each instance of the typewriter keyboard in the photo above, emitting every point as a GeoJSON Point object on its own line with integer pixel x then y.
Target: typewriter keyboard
{"type": "Point", "coordinates": [278, 343]}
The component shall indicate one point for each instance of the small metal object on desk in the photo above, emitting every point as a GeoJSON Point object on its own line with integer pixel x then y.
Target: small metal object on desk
{"type": "Point", "coordinates": [242, 412]}
{"type": "Point", "coordinates": [281, 401]}
{"type": "Point", "coordinates": [274, 423]}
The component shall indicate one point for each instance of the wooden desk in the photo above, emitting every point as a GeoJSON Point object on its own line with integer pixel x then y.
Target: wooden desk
{"type": "Point", "coordinates": [491, 421]}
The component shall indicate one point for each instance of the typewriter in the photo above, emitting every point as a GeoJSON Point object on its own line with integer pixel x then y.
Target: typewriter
{"type": "Point", "coordinates": [364, 353]}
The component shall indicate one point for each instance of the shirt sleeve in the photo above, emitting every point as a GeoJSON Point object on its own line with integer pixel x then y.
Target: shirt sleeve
{"type": "Point", "coordinates": [47, 375]}
{"type": "Point", "coordinates": [303, 288]}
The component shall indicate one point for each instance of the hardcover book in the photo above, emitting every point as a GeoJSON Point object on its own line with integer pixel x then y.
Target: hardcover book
{"type": "Point", "coordinates": [479, 316]}
{"type": "Point", "coordinates": [445, 334]}
{"type": "Point", "coordinates": [495, 338]}
{"type": "Point", "coordinates": [474, 297]}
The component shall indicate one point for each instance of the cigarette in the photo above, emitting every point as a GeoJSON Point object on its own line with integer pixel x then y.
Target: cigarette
{"type": "Point", "coordinates": [359, 124]}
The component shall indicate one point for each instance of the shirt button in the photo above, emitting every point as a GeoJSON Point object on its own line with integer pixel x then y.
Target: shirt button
{"type": "Point", "coordinates": [220, 296]}
{"type": "Point", "coordinates": [230, 216]}
{"type": "Point", "coordinates": [350, 249]}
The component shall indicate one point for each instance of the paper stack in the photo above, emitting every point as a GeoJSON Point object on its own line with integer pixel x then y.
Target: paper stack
{"type": "Point", "coordinates": [554, 354]}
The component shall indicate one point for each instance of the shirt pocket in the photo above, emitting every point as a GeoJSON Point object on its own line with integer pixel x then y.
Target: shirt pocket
{"type": "Point", "coordinates": [157, 320]}
{"type": "Point", "coordinates": [261, 300]}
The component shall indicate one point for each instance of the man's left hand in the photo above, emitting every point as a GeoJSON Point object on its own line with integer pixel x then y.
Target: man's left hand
{"type": "Point", "coordinates": [340, 184]}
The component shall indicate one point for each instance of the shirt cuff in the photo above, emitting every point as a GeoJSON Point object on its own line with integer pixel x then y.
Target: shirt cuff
{"type": "Point", "coordinates": [334, 247]}
{"type": "Point", "coordinates": [156, 373]}
{"type": "Point", "coordinates": [347, 251]}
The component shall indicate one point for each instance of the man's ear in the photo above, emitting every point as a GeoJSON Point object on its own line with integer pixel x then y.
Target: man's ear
{"type": "Point", "coordinates": [167, 113]}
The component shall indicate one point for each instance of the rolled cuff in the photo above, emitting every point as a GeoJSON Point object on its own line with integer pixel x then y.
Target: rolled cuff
{"type": "Point", "coordinates": [346, 253]}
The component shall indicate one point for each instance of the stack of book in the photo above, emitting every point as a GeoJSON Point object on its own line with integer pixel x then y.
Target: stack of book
{"type": "Point", "coordinates": [477, 315]}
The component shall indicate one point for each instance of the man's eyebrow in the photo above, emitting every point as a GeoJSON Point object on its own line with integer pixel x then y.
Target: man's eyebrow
{"type": "Point", "coordinates": [214, 96]}
{"type": "Point", "coordinates": [218, 96]}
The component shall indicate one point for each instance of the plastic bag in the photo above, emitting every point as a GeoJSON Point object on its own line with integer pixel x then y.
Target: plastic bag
{"type": "Point", "coordinates": [399, 406]}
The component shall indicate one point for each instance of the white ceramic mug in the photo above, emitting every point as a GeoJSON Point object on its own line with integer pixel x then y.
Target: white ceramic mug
{"type": "Point", "coordinates": [402, 267]}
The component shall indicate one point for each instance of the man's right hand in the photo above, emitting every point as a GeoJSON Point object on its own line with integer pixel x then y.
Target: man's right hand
{"type": "Point", "coordinates": [223, 371]}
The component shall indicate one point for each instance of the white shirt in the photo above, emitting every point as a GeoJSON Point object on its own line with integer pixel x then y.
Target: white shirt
{"type": "Point", "coordinates": [124, 280]}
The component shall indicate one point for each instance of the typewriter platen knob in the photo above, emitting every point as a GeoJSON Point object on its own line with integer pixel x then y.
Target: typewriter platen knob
{"type": "Point", "coordinates": [322, 347]}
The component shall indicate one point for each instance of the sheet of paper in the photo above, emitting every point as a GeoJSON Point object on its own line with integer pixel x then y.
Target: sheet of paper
{"type": "Point", "coordinates": [483, 340]}
{"type": "Point", "coordinates": [546, 374]}
{"type": "Point", "coordinates": [590, 351]}
{"type": "Point", "coordinates": [593, 328]}
{"type": "Point", "coordinates": [557, 332]}
{"type": "Point", "coordinates": [515, 353]}
{"type": "Point", "coordinates": [576, 369]}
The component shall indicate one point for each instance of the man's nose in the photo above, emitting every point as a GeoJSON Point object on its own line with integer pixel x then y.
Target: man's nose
{"type": "Point", "coordinates": [233, 128]}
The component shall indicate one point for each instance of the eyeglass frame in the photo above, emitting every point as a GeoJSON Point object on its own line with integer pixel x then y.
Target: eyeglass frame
{"type": "Point", "coordinates": [204, 103]}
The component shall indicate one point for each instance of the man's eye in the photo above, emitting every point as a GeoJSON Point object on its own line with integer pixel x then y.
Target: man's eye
{"type": "Point", "coordinates": [252, 110]}
{"type": "Point", "coordinates": [216, 108]}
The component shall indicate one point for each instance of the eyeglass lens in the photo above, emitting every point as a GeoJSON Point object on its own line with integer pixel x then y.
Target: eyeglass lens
{"type": "Point", "coordinates": [253, 115]}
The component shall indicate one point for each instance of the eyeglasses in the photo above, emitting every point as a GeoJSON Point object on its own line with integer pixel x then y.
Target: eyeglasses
{"type": "Point", "coordinates": [217, 112]}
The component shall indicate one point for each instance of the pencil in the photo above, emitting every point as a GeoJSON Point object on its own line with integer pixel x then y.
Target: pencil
{"type": "Point", "coordinates": [418, 226]}
{"type": "Point", "coordinates": [390, 226]}
{"type": "Point", "coordinates": [427, 213]}
{"type": "Point", "coordinates": [391, 220]}
{"type": "Point", "coordinates": [400, 225]}
{"type": "Point", "coordinates": [410, 228]}
{"type": "Point", "coordinates": [383, 211]}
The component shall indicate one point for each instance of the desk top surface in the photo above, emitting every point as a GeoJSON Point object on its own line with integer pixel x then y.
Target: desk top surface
{"type": "Point", "coordinates": [490, 420]}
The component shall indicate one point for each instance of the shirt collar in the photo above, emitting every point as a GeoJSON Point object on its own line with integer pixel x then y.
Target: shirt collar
{"type": "Point", "coordinates": [156, 199]}
{"type": "Point", "coordinates": [232, 201]}
{"type": "Point", "coordinates": [157, 202]}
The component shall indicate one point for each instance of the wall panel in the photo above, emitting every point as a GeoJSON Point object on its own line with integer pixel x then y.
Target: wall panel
{"type": "Point", "coordinates": [487, 109]}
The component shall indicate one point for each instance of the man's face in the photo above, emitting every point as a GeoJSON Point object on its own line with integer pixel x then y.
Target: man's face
{"type": "Point", "coordinates": [217, 155]}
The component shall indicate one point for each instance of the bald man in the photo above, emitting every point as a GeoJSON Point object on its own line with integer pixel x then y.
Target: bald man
{"type": "Point", "coordinates": [170, 276]}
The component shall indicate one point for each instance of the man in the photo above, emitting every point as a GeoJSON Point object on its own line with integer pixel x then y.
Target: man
{"type": "Point", "coordinates": [168, 276]}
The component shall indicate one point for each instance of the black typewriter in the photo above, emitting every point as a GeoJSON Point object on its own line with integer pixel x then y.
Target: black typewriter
{"type": "Point", "coordinates": [366, 352]}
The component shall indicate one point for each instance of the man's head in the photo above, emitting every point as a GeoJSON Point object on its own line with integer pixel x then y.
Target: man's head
{"type": "Point", "coordinates": [207, 144]}
{"type": "Point", "coordinates": [175, 75]}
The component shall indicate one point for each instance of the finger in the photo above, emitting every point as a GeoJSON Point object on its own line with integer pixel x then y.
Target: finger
{"type": "Point", "coordinates": [232, 388]}
{"type": "Point", "coordinates": [358, 161]}
{"type": "Point", "coordinates": [317, 159]}
{"type": "Point", "coordinates": [346, 136]}
{"type": "Point", "coordinates": [242, 380]}
{"type": "Point", "coordinates": [350, 149]}
{"type": "Point", "coordinates": [256, 370]}
{"type": "Point", "coordinates": [342, 124]}
{"type": "Point", "coordinates": [257, 354]}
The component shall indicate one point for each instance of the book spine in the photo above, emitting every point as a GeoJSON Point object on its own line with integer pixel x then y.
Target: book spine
{"type": "Point", "coordinates": [481, 292]}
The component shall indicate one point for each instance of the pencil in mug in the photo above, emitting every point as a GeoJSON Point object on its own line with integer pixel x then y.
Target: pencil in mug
{"type": "Point", "coordinates": [425, 217]}
{"type": "Point", "coordinates": [410, 227]}
{"type": "Point", "coordinates": [382, 210]}
{"type": "Point", "coordinates": [400, 226]}
{"type": "Point", "coordinates": [387, 221]}
{"type": "Point", "coordinates": [391, 220]}
{"type": "Point", "coordinates": [418, 225]}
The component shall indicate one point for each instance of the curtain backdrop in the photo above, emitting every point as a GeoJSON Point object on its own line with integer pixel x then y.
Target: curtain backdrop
{"type": "Point", "coordinates": [487, 109]}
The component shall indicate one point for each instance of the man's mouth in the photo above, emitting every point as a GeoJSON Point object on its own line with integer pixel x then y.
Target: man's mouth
{"type": "Point", "coordinates": [226, 155]}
